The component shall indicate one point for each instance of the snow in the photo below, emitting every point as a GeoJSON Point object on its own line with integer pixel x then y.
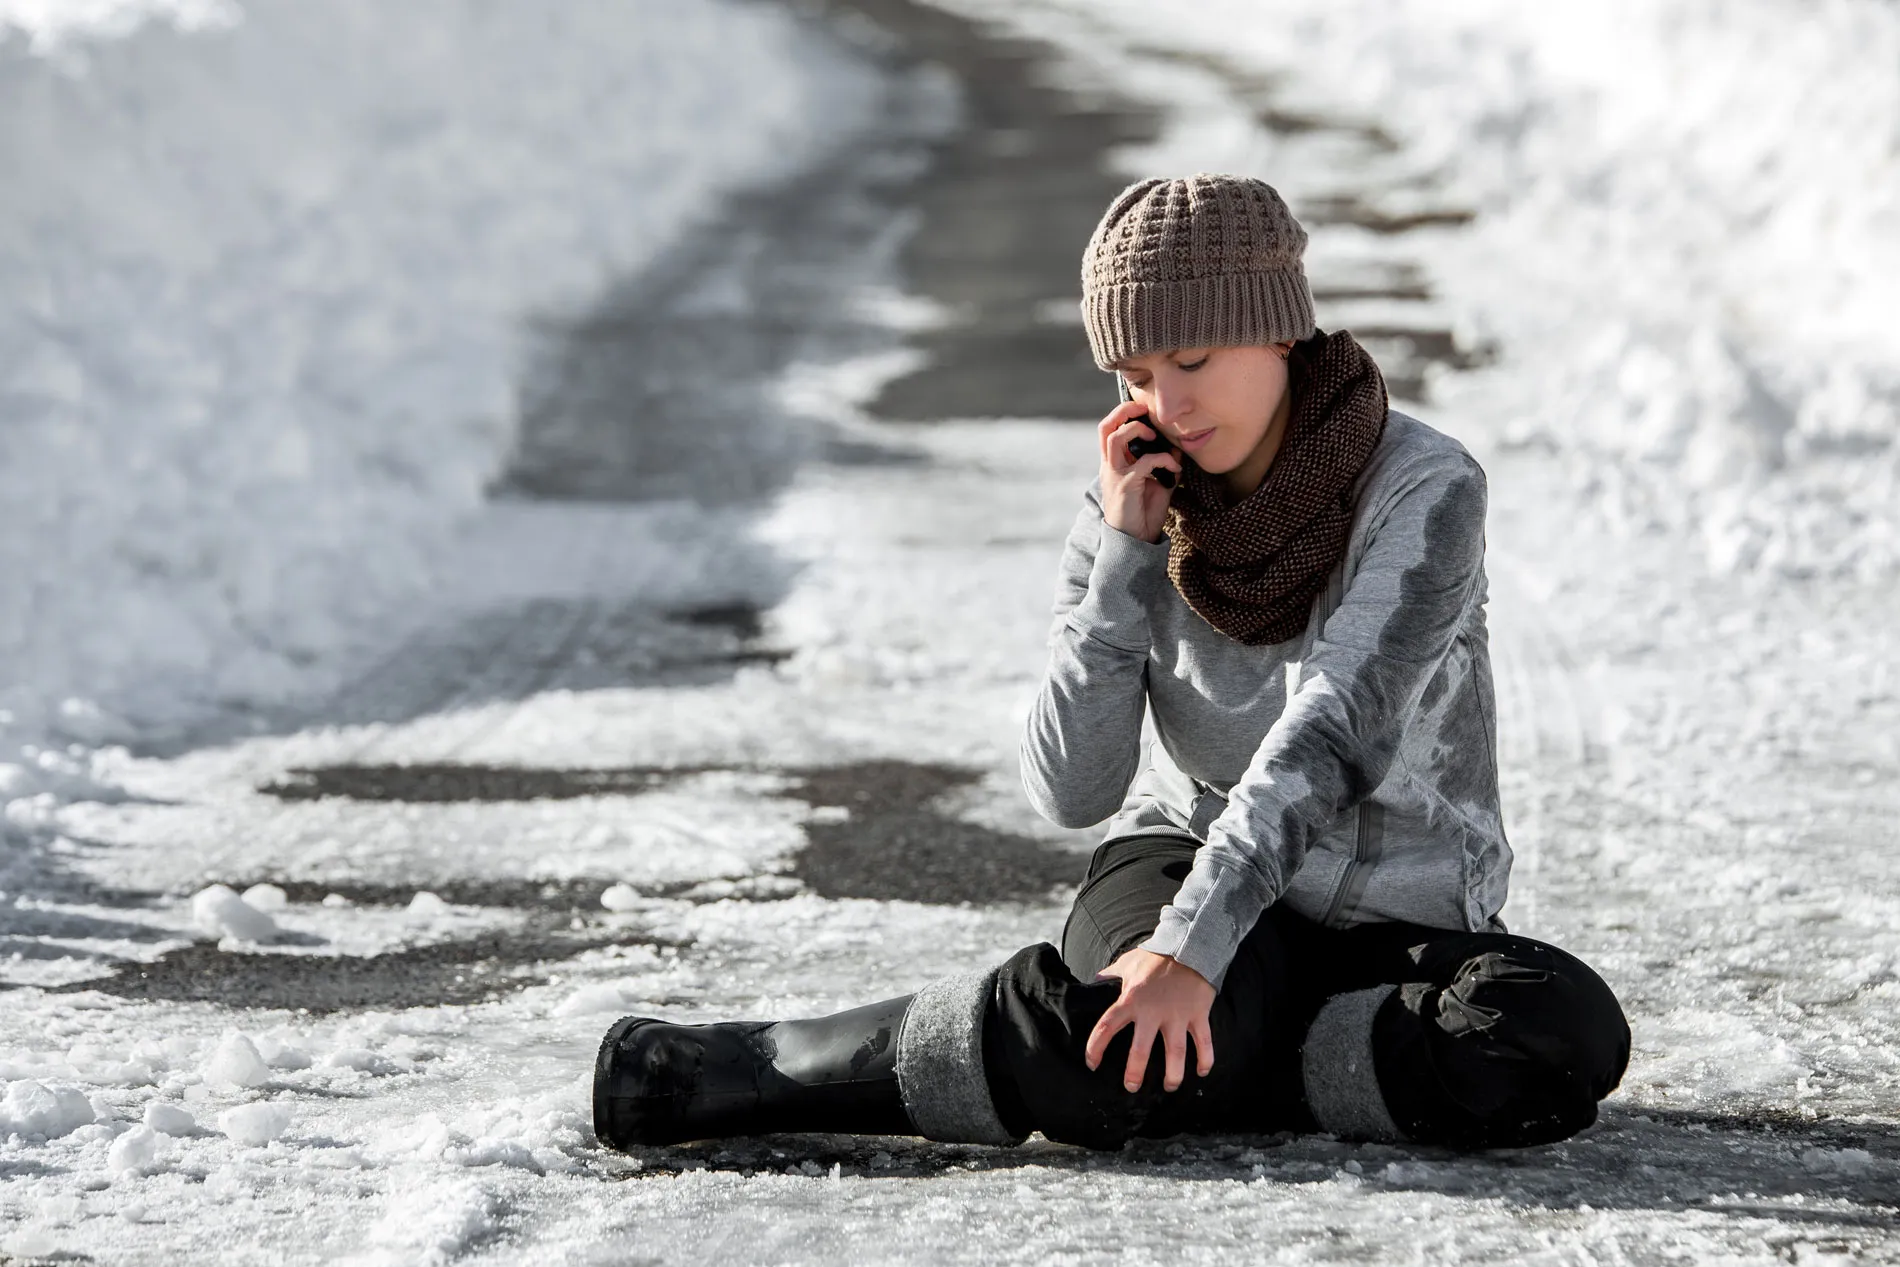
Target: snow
{"type": "Point", "coordinates": [620, 897]}
{"type": "Point", "coordinates": [267, 898]}
{"type": "Point", "coordinates": [259, 363]}
{"type": "Point", "coordinates": [235, 1062]}
{"type": "Point", "coordinates": [221, 912]}
{"type": "Point", "coordinates": [1697, 741]}
{"type": "Point", "coordinates": [34, 1108]}
{"type": "Point", "coordinates": [169, 1119]}
{"type": "Point", "coordinates": [132, 1151]}
{"type": "Point", "coordinates": [255, 1125]}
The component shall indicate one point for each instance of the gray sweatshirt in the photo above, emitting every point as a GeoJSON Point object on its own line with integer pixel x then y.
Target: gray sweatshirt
{"type": "Point", "coordinates": [1350, 771]}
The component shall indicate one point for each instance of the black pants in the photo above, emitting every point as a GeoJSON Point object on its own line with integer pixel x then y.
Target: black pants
{"type": "Point", "coordinates": [1488, 1040]}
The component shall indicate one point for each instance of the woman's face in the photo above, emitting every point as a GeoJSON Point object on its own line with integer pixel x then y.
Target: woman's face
{"type": "Point", "coordinates": [1217, 404]}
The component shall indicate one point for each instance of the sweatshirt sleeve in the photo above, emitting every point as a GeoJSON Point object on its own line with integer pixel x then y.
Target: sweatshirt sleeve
{"type": "Point", "coordinates": [1081, 744]}
{"type": "Point", "coordinates": [1339, 732]}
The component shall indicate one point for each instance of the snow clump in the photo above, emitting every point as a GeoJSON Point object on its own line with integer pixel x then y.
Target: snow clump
{"type": "Point", "coordinates": [169, 1119]}
{"type": "Point", "coordinates": [279, 1054]}
{"type": "Point", "coordinates": [362, 1060]}
{"type": "Point", "coordinates": [222, 913]}
{"type": "Point", "coordinates": [427, 904]}
{"type": "Point", "coordinates": [620, 897]}
{"type": "Point", "coordinates": [235, 1062]}
{"type": "Point", "coordinates": [255, 1124]}
{"type": "Point", "coordinates": [132, 1151]}
{"type": "Point", "coordinates": [265, 897]}
{"type": "Point", "coordinates": [34, 1108]}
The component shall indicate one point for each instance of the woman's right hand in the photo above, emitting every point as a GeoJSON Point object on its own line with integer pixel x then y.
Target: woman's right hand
{"type": "Point", "coordinates": [1132, 500]}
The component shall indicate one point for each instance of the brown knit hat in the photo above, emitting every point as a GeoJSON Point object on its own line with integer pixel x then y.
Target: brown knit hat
{"type": "Point", "coordinates": [1209, 261]}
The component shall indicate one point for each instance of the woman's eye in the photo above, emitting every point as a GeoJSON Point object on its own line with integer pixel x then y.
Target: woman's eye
{"type": "Point", "coordinates": [1195, 365]}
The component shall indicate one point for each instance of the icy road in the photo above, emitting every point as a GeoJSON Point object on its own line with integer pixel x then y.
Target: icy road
{"type": "Point", "coordinates": [513, 520]}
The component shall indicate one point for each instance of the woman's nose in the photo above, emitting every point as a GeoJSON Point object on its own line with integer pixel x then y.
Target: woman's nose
{"type": "Point", "coordinates": [1171, 410]}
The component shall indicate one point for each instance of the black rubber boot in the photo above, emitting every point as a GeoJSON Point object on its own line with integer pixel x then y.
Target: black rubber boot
{"type": "Point", "coordinates": [657, 1082]}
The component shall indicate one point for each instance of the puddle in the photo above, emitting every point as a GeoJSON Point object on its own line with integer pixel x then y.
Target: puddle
{"type": "Point", "coordinates": [1001, 216]}
{"type": "Point", "coordinates": [891, 845]}
{"type": "Point", "coordinates": [453, 973]}
{"type": "Point", "coordinates": [443, 784]}
{"type": "Point", "coordinates": [894, 847]}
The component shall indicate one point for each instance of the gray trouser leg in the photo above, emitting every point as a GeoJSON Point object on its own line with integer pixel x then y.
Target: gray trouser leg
{"type": "Point", "coordinates": [940, 1063]}
{"type": "Point", "coordinates": [1336, 1066]}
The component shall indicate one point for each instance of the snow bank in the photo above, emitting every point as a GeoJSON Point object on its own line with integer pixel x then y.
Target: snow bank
{"type": "Point", "coordinates": [1689, 227]}
{"type": "Point", "coordinates": [53, 26]}
{"type": "Point", "coordinates": [267, 291]}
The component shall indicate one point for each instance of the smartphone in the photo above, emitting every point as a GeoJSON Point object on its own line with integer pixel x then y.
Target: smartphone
{"type": "Point", "coordinates": [1142, 446]}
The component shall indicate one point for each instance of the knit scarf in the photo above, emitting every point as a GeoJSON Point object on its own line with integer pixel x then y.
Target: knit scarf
{"type": "Point", "coordinates": [1252, 569]}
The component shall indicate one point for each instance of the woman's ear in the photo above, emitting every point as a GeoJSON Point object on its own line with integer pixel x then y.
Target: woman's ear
{"type": "Point", "coordinates": [1285, 349]}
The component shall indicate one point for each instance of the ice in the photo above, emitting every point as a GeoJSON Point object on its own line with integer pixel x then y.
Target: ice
{"type": "Point", "coordinates": [1843, 1161]}
{"type": "Point", "coordinates": [434, 1224]}
{"type": "Point", "coordinates": [620, 897]}
{"type": "Point", "coordinates": [169, 1119]}
{"type": "Point", "coordinates": [31, 1243]}
{"type": "Point", "coordinates": [280, 1053]}
{"type": "Point", "coordinates": [265, 897]}
{"type": "Point", "coordinates": [255, 1124]}
{"type": "Point", "coordinates": [591, 1000]}
{"type": "Point", "coordinates": [31, 1107]}
{"type": "Point", "coordinates": [427, 905]}
{"type": "Point", "coordinates": [1744, 914]}
{"type": "Point", "coordinates": [362, 1060]}
{"type": "Point", "coordinates": [132, 1151]}
{"type": "Point", "coordinates": [235, 1062]}
{"type": "Point", "coordinates": [222, 913]}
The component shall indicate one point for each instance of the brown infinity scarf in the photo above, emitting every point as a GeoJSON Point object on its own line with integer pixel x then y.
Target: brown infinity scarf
{"type": "Point", "coordinates": [1252, 569]}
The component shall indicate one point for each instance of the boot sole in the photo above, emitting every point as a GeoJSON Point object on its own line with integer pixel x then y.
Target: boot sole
{"type": "Point", "coordinates": [603, 1068]}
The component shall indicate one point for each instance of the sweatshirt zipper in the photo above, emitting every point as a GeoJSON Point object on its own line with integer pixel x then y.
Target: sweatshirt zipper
{"type": "Point", "coordinates": [1368, 844]}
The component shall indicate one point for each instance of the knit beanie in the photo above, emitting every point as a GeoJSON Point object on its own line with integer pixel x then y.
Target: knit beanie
{"type": "Point", "coordinates": [1209, 261]}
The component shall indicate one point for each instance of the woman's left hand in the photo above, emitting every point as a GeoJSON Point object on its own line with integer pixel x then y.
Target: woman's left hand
{"type": "Point", "coordinates": [1159, 996]}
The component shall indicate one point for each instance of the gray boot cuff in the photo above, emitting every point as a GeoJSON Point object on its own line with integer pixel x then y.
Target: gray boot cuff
{"type": "Point", "coordinates": [940, 1063]}
{"type": "Point", "coordinates": [1336, 1063]}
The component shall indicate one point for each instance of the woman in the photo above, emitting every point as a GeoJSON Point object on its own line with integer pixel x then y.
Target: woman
{"type": "Point", "coordinates": [1302, 884]}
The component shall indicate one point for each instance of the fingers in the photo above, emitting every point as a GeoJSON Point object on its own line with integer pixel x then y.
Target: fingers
{"type": "Point", "coordinates": [1138, 1055]}
{"type": "Point", "coordinates": [1111, 1024]}
{"type": "Point", "coordinates": [1174, 1042]}
{"type": "Point", "coordinates": [1157, 461]}
{"type": "Point", "coordinates": [1116, 417]}
{"type": "Point", "coordinates": [1203, 1035]}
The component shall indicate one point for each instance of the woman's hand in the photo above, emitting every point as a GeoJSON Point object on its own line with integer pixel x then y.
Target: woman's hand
{"type": "Point", "coordinates": [1131, 500]}
{"type": "Point", "coordinates": [1159, 995]}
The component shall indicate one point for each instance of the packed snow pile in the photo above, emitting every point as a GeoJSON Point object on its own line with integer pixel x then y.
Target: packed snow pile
{"type": "Point", "coordinates": [265, 299]}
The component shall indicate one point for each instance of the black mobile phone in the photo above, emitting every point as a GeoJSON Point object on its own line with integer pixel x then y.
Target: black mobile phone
{"type": "Point", "coordinates": [1142, 446]}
